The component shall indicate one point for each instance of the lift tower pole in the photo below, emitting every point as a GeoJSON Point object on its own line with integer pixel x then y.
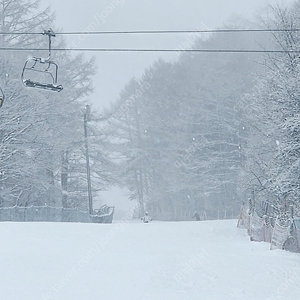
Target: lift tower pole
{"type": "Point", "coordinates": [88, 172]}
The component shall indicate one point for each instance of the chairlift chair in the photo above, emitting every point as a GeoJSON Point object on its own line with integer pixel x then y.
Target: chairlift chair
{"type": "Point", "coordinates": [2, 97]}
{"type": "Point", "coordinates": [41, 72]}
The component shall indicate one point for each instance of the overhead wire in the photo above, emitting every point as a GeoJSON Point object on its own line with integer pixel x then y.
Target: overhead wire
{"type": "Point", "coordinates": [153, 32]}
{"type": "Point", "coordinates": [178, 31]}
{"type": "Point", "coordinates": [160, 31]}
{"type": "Point", "coordinates": [150, 50]}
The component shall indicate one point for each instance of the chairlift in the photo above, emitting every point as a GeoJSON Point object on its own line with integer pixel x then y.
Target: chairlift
{"type": "Point", "coordinates": [2, 97]}
{"type": "Point", "coordinates": [41, 72]}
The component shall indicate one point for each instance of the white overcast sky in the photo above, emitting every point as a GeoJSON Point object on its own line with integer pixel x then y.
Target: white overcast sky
{"type": "Point", "coordinates": [115, 69]}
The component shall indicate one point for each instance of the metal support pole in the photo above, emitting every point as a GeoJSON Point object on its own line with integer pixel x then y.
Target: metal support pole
{"type": "Point", "coordinates": [50, 33]}
{"type": "Point", "coordinates": [88, 172]}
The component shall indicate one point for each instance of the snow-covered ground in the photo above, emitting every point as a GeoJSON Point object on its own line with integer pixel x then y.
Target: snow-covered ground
{"type": "Point", "coordinates": [129, 261]}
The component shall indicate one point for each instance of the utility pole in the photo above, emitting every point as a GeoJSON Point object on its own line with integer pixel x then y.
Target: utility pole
{"type": "Point", "coordinates": [88, 172]}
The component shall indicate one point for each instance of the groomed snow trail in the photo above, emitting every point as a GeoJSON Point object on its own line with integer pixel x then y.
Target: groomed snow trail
{"type": "Point", "coordinates": [211, 260]}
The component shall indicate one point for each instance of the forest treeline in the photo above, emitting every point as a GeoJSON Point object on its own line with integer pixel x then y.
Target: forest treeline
{"type": "Point", "coordinates": [42, 146]}
{"type": "Point", "coordinates": [204, 132]}
{"type": "Point", "coordinates": [210, 130]}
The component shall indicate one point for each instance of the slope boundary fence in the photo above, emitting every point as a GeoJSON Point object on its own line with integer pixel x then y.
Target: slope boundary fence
{"type": "Point", "coordinates": [54, 214]}
{"type": "Point", "coordinates": [280, 233]}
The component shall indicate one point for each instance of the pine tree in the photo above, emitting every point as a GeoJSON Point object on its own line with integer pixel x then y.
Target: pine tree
{"type": "Point", "coordinates": [41, 132]}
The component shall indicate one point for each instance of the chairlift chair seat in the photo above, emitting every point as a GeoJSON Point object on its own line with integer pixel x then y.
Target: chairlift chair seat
{"type": "Point", "coordinates": [37, 70]}
{"type": "Point", "coordinates": [37, 67]}
{"type": "Point", "coordinates": [45, 86]}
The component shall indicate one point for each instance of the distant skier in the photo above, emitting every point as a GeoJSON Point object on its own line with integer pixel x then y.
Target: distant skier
{"type": "Point", "coordinates": [196, 215]}
{"type": "Point", "coordinates": [146, 218]}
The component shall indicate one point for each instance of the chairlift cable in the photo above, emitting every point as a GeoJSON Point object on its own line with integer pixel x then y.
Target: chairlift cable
{"type": "Point", "coordinates": [177, 31]}
{"type": "Point", "coordinates": [150, 50]}
{"type": "Point", "coordinates": [160, 31]}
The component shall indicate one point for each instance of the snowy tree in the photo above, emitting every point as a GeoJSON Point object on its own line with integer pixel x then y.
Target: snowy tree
{"type": "Point", "coordinates": [179, 128]}
{"type": "Point", "coordinates": [272, 151]}
{"type": "Point", "coordinates": [42, 139]}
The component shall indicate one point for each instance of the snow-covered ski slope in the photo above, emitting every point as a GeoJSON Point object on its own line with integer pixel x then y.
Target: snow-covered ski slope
{"type": "Point", "coordinates": [211, 260]}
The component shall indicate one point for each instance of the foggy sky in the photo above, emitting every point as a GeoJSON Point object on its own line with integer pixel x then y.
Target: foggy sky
{"type": "Point", "coordinates": [115, 69]}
